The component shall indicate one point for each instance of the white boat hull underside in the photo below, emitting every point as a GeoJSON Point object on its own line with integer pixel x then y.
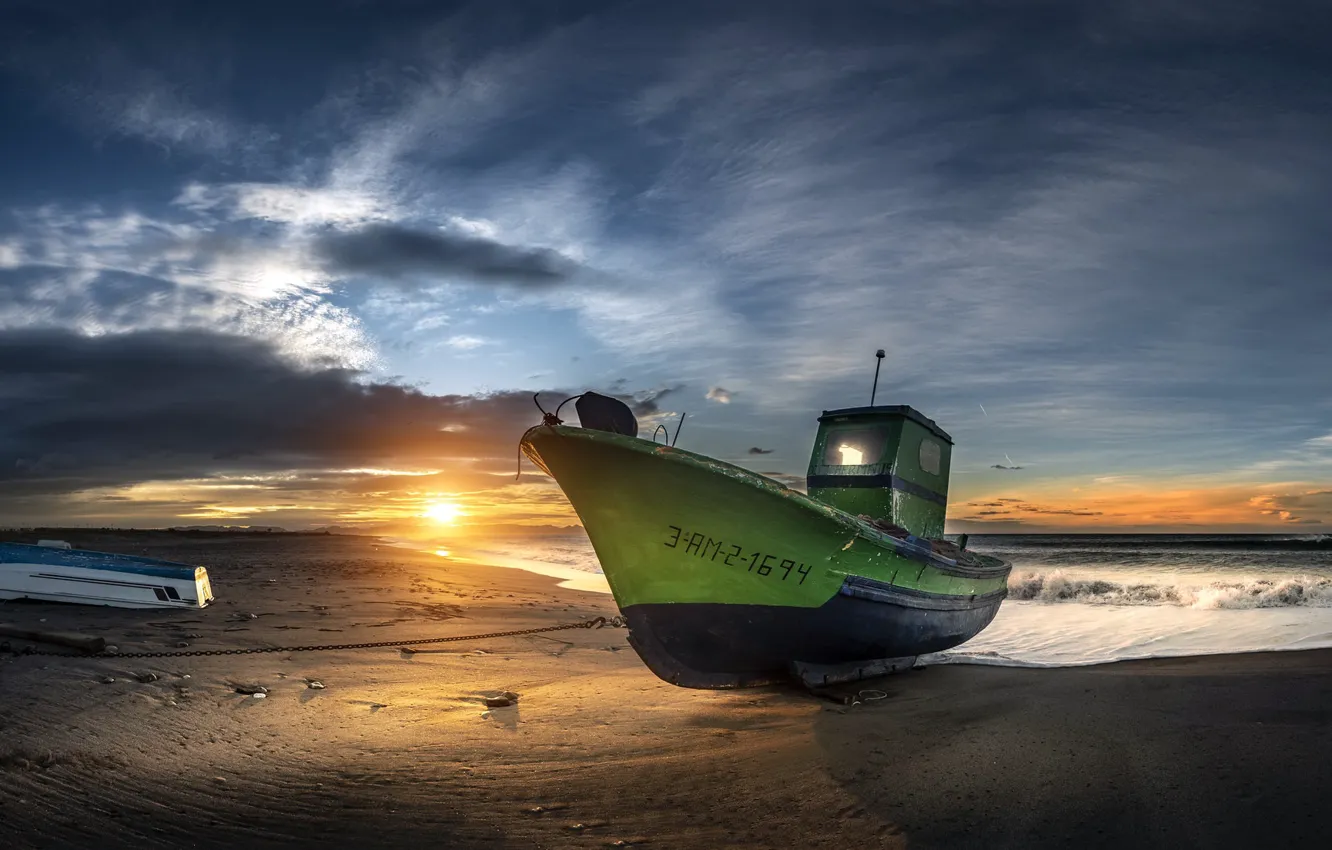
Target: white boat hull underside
{"type": "Point", "coordinates": [104, 581]}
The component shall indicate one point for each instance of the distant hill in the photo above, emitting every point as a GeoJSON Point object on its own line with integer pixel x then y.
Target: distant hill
{"type": "Point", "coordinates": [232, 529]}
{"type": "Point", "coordinates": [417, 530]}
{"type": "Point", "coordinates": [342, 529]}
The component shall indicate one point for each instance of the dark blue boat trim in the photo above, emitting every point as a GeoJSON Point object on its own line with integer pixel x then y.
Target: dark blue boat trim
{"type": "Point", "coordinates": [23, 553]}
{"type": "Point", "coordinates": [164, 593]}
{"type": "Point", "coordinates": [910, 597]}
{"type": "Point", "coordinates": [56, 596]}
{"type": "Point", "coordinates": [885, 480]}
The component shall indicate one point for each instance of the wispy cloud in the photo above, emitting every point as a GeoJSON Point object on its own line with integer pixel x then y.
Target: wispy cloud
{"type": "Point", "coordinates": [466, 343]}
{"type": "Point", "coordinates": [146, 86]}
{"type": "Point", "coordinates": [297, 205]}
{"type": "Point", "coordinates": [109, 272]}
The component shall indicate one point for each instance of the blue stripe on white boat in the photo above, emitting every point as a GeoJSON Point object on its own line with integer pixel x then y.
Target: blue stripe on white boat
{"type": "Point", "coordinates": [22, 553]}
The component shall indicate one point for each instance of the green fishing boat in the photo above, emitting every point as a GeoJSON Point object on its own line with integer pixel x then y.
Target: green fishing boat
{"type": "Point", "coordinates": [730, 579]}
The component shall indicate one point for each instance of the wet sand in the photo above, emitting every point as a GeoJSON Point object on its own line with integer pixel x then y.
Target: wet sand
{"type": "Point", "coordinates": [399, 751]}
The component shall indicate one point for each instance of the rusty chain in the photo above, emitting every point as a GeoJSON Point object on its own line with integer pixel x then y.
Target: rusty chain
{"type": "Point", "coordinates": [594, 623]}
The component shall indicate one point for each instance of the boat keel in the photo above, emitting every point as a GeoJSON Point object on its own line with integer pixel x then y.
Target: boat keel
{"type": "Point", "coordinates": [821, 675]}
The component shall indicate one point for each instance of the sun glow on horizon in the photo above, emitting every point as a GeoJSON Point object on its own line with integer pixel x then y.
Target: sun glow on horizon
{"type": "Point", "coordinates": [444, 513]}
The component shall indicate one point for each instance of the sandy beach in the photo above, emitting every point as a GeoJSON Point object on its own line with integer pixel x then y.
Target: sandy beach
{"type": "Point", "coordinates": [399, 750]}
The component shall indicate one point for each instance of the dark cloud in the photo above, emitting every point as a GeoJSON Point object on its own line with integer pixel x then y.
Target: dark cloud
{"type": "Point", "coordinates": [646, 403]}
{"type": "Point", "coordinates": [755, 450]}
{"type": "Point", "coordinates": [1001, 466]}
{"type": "Point", "coordinates": [79, 411]}
{"type": "Point", "coordinates": [397, 253]}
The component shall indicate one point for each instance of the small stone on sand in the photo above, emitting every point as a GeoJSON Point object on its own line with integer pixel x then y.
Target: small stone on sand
{"type": "Point", "coordinates": [504, 698]}
{"type": "Point", "coordinates": [541, 810]}
{"type": "Point", "coordinates": [250, 690]}
{"type": "Point", "coordinates": [108, 680]}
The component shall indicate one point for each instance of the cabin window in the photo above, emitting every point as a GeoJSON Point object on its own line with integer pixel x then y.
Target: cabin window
{"type": "Point", "coordinates": [930, 455]}
{"type": "Point", "coordinates": [855, 447]}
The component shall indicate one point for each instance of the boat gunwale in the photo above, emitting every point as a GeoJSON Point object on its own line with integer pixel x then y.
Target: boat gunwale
{"type": "Point", "coordinates": [907, 548]}
{"type": "Point", "coordinates": [874, 590]}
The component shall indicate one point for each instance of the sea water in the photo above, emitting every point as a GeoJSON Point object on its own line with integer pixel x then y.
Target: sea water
{"type": "Point", "coordinates": [1089, 599]}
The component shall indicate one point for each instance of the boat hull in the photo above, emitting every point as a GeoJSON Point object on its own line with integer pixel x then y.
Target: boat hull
{"type": "Point", "coordinates": [728, 578]}
{"type": "Point", "coordinates": [100, 578]}
{"type": "Point", "coordinates": [716, 645]}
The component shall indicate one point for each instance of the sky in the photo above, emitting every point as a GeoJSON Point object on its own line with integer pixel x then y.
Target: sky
{"type": "Point", "coordinates": [303, 264]}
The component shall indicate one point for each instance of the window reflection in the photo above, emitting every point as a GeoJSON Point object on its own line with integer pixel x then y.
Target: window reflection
{"type": "Point", "coordinates": [855, 447]}
{"type": "Point", "coordinates": [851, 456]}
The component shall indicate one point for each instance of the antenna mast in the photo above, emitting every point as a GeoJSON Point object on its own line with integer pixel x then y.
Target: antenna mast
{"type": "Point", "coordinates": [879, 355]}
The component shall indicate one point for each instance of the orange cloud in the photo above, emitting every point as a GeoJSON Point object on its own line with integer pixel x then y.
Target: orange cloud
{"type": "Point", "coordinates": [1118, 504]}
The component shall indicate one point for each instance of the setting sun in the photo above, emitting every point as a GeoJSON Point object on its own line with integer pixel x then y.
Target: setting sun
{"type": "Point", "coordinates": [442, 512]}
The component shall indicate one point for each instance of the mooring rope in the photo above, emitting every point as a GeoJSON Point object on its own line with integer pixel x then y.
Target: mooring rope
{"type": "Point", "coordinates": [594, 623]}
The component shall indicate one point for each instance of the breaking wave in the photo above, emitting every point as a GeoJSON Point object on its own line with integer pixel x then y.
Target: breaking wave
{"type": "Point", "coordinates": [1285, 592]}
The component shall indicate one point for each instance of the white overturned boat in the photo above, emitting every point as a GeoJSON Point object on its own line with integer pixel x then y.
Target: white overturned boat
{"type": "Point", "coordinates": [53, 572]}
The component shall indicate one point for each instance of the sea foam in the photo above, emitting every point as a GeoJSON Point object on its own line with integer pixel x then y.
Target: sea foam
{"type": "Point", "coordinates": [1230, 592]}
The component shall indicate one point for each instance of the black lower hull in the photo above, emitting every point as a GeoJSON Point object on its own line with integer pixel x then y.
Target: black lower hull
{"type": "Point", "coordinates": [712, 645]}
